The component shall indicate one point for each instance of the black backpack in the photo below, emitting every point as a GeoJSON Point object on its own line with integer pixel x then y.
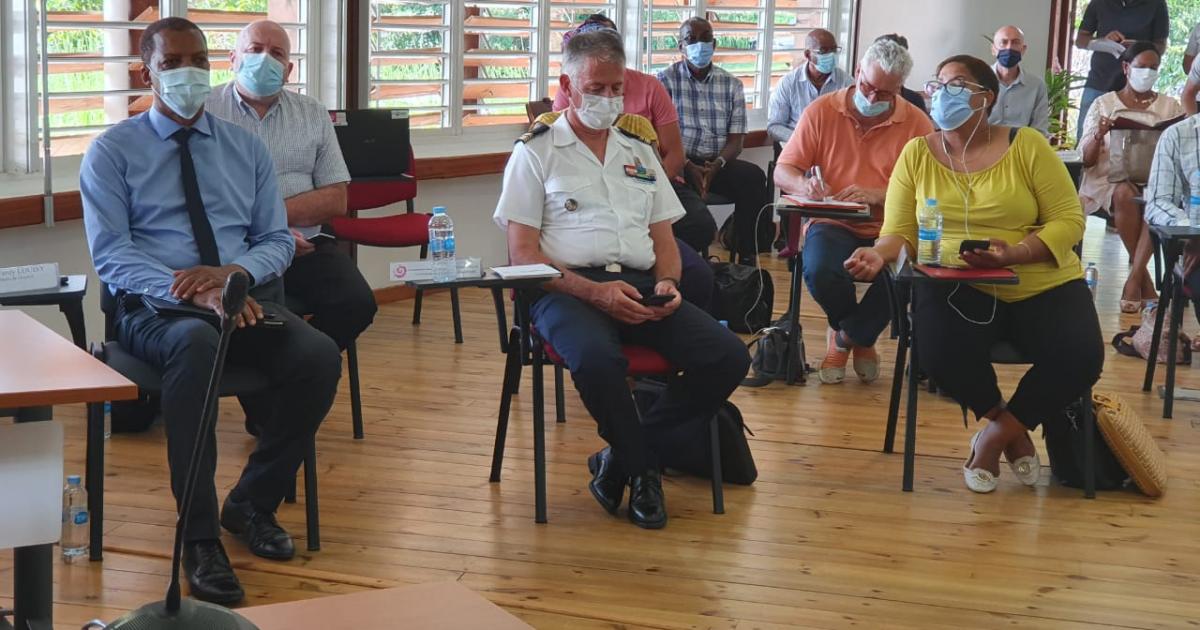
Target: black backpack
{"type": "Point", "coordinates": [766, 234]}
{"type": "Point", "coordinates": [687, 447]}
{"type": "Point", "coordinates": [742, 296]}
{"type": "Point", "coordinates": [1065, 445]}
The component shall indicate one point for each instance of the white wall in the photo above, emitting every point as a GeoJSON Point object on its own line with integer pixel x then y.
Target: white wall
{"type": "Point", "coordinates": [937, 29]}
{"type": "Point", "coordinates": [469, 200]}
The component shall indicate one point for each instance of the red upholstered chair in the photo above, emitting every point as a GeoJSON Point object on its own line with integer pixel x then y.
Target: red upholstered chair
{"type": "Point", "coordinates": [410, 229]}
{"type": "Point", "coordinates": [643, 362]}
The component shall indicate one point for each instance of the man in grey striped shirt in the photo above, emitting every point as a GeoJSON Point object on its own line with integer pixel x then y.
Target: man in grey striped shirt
{"type": "Point", "coordinates": [312, 178]}
{"type": "Point", "coordinates": [1169, 191]}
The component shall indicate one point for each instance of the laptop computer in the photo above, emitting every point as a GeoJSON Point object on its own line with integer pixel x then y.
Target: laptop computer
{"type": "Point", "coordinates": [374, 142]}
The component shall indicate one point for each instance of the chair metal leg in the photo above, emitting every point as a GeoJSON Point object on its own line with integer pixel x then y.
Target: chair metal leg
{"type": "Point", "coordinates": [417, 307]}
{"type": "Point", "coordinates": [458, 337]}
{"type": "Point", "coordinates": [560, 396]}
{"type": "Point", "coordinates": [1177, 303]}
{"type": "Point", "coordinates": [501, 319]}
{"type": "Point", "coordinates": [290, 497]}
{"type": "Point", "coordinates": [1089, 446]}
{"type": "Point", "coordinates": [94, 479]}
{"type": "Point", "coordinates": [889, 437]}
{"type": "Point", "coordinates": [73, 311]}
{"type": "Point", "coordinates": [796, 370]}
{"type": "Point", "coordinates": [311, 510]}
{"type": "Point", "coordinates": [910, 423]}
{"type": "Point", "coordinates": [1164, 304]}
{"type": "Point", "coordinates": [355, 393]}
{"type": "Point", "coordinates": [539, 436]}
{"type": "Point", "coordinates": [718, 491]}
{"type": "Point", "coordinates": [512, 375]}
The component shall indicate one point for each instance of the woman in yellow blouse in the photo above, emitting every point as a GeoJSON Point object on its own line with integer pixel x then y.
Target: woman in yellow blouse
{"type": "Point", "coordinates": [1006, 186]}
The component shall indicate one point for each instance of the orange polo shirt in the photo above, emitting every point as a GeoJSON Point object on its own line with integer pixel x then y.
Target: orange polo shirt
{"type": "Point", "coordinates": [829, 136]}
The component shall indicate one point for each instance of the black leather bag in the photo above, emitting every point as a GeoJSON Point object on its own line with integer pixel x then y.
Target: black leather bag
{"type": "Point", "coordinates": [1065, 446]}
{"type": "Point", "coordinates": [687, 446]}
{"type": "Point", "coordinates": [742, 296]}
{"type": "Point", "coordinates": [770, 360]}
{"type": "Point", "coordinates": [727, 237]}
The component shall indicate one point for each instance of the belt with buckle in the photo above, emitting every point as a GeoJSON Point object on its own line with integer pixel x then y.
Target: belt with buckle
{"type": "Point", "coordinates": [613, 267]}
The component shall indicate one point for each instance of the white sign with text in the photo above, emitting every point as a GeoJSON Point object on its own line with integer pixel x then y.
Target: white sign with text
{"type": "Point", "coordinates": [28, 278]}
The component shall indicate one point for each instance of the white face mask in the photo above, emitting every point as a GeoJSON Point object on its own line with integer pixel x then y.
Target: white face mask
{"type": "Point", "coordinates": [1142, 79]}
{"type": "Point", "coordinates": [599, 112]}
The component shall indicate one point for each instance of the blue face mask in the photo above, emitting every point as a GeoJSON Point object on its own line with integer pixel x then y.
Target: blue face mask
{"type": "Point", "coordinates": [825, 62]}
{"type": "Point", "coordinates": [700, 54]}
{"type": "Point", "coordinates": [183, 90]}
{"type": "Point", "coordinates": [1008, 57]}
{"type": "Point", "coordinates": [260, 74]}
{"type": "Point", "coordinates": [950, 111]}
{"type": "Point", "coordinates": [867, 108]}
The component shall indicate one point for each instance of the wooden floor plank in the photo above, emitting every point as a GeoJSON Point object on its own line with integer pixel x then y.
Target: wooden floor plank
{"type": "Point", "coordinates": [824, 539]}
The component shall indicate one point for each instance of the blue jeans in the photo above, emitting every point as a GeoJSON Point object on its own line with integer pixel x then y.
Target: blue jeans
{"type": "Point", "coordinates": [826, 247]}
{"type": "Point", "coordinates": [1085, 103]}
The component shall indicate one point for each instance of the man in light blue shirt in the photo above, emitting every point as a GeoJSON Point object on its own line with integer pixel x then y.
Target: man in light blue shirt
{"type": "Point", "coordinates": [175, 200]}
{"type": "Point", "coordinates": [1023, 100]}
{"type": "Point", "coordinates": [818, 76]}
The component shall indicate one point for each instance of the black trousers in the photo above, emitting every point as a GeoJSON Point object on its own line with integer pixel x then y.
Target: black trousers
{"type": "Point", "coordinates": [712, 359]}
{"type": "Point", "coordinates": [697, 228]}
{"type": "Point", "coordinates": [330, 285]}
{"type": "Point", "coordinates": [745, 184]}
{"type": "Point", "coordinates": [1057, 330]}
{"type": "Point", "coordinates": [303, 366]}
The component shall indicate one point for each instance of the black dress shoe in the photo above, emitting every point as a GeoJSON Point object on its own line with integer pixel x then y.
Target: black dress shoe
{"type": "Point", "coordinates": [209, 573]}
{"type": "Point", "coordinates": [259, 530]}
{"type": "Point", "coordinates": [607, 485]}
{"type": "Point", "coordinates": [647, 509]}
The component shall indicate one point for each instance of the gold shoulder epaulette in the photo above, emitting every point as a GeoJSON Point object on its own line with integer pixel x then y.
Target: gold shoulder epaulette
{"type": "Point", "coordinates": [540, 125]}
{"type": "Point", "coordinates": [637, 127]}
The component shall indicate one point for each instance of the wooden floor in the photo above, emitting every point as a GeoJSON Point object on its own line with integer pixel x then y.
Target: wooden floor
{"type": "Point", "coordinates": [825, 538]}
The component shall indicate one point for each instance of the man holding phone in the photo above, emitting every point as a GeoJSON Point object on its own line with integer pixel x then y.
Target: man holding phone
{"type": "Point", "coordinates": [844, 148]}
{"type": "Point", "coordinates": [587, 197]}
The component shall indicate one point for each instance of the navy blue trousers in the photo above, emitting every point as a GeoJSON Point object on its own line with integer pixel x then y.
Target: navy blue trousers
{"type": "Point", "coordinates": [712, 361]}
{"type": "Point", "coordinates": [826, 248]}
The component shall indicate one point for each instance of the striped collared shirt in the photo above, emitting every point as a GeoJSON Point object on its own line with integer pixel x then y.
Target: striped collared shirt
{"type": "Point", "coordinates": [1176, 160]}
{"type": "Point", "coordinates": [298, 134]}
{"type": "Point", "coordinates": [709, 109]}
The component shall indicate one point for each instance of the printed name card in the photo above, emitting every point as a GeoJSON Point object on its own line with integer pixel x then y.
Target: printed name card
{"type": "Point", "coordinates": [420, 270]}
{"type": "Point", "coordinates": [28, 278]}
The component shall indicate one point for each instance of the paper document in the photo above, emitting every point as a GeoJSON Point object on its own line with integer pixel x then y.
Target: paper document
{"type": "Point", "coordinates": [802, 202]}
{"type": "Point", "coordinates": [527, 271]}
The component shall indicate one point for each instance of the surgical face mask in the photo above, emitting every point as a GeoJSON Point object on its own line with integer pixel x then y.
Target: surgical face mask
{"type": "Point", "coordinates": [599, 112]}
{"type": "Point", "coordinates": [700, 54]}
{"type": "Point", "coordinates": [867, 108]}
{"type": "Point", "coordinates": [825, 62]}
{"type": "Point", "coordinates": [1008, 58]}
{"type": "Point", "coordinates": [183, 90]}
{"type": "Point", "coordinates": [950, 111]}
{"type": "Point", "coordinates": [260, 74]}
{"type": "Point", "coordinates": [1142, 79]}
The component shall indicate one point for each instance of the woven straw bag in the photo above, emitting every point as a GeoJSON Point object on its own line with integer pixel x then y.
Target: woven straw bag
{"type": "Point", "coordinates": [1132, 443]}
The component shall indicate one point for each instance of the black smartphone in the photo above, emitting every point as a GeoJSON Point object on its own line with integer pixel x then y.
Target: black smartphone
{"type": "Point", "coordinates": [270, 320]}
{"type": "Point", "coordinates": [656, 300]}
{"type": "Point", "coordinates": [972, 245]}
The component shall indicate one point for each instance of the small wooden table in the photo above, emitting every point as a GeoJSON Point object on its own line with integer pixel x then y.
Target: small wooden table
{"type": "Point", "coordinates": [38, 368]}
{"type": "Point", "coordinates": [437, 606]}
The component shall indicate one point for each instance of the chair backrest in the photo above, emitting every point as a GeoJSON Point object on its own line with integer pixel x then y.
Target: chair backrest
{"type": "Point", "coordinates": [533, 109]}
{"type": "Point", "coordinates": [365, 194]}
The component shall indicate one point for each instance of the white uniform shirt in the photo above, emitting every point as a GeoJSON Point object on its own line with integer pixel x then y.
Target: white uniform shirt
{"type": "Point", "coordinates": [590, 214]}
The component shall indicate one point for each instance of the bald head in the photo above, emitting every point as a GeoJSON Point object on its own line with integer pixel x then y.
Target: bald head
{"type": "Point", "coordinates": [820, 40]}
{"type": "Point", "coordinates": [264, 36]}
{"type": "Point", "coordinates": [1008, 37]}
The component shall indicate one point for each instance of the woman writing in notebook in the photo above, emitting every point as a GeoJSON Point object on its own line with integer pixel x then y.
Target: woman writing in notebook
{"type": "Point", "coordinates": [1139, 102]}
{"type": "Point", "coordinates": [1008, 187]}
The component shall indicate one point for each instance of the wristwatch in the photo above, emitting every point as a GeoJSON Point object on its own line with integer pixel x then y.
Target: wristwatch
{"type": "Point", "coordinates": [721, 160]}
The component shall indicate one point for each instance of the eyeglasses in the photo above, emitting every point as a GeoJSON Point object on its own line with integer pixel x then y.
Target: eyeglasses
{"type": "Point", "coordinates": [954, 87]}
{"type": "Point", "coordinates": [824, 51]}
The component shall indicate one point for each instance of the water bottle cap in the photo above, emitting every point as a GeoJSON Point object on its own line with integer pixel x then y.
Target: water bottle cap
{"type": "Point", "coordinates": [931, 202]}
{"type": "Point", "coordinates": [439, 209]}
{"type": "Point", "coordinates": [724, 322]}
{"type": "Point", "coordinates": [73, 480]}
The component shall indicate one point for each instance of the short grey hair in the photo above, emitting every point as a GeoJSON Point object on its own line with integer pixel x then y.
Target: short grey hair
{"type": "Point", "coordinates": [603, 45]}
{"type": "Point", "coordinates": [890, 56]}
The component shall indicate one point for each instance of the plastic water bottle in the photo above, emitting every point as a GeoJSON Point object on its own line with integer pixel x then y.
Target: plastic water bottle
{"type": "Point", "coordinates": [929, 233]}
{"type": "Point", "coordinates": [107, 420]}
{"type": "Point", "coordinates": [441, 246]}
{"type": "Point", "coordinates": [74, 540]}
{"type": "Point", "coordinates": [1194, 201]}
{"type": "Point", "coordinates": [1091, 275]}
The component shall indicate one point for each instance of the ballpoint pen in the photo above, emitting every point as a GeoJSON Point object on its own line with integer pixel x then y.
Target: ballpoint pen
{"type": "Point", "coordinates": [816, 174]}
